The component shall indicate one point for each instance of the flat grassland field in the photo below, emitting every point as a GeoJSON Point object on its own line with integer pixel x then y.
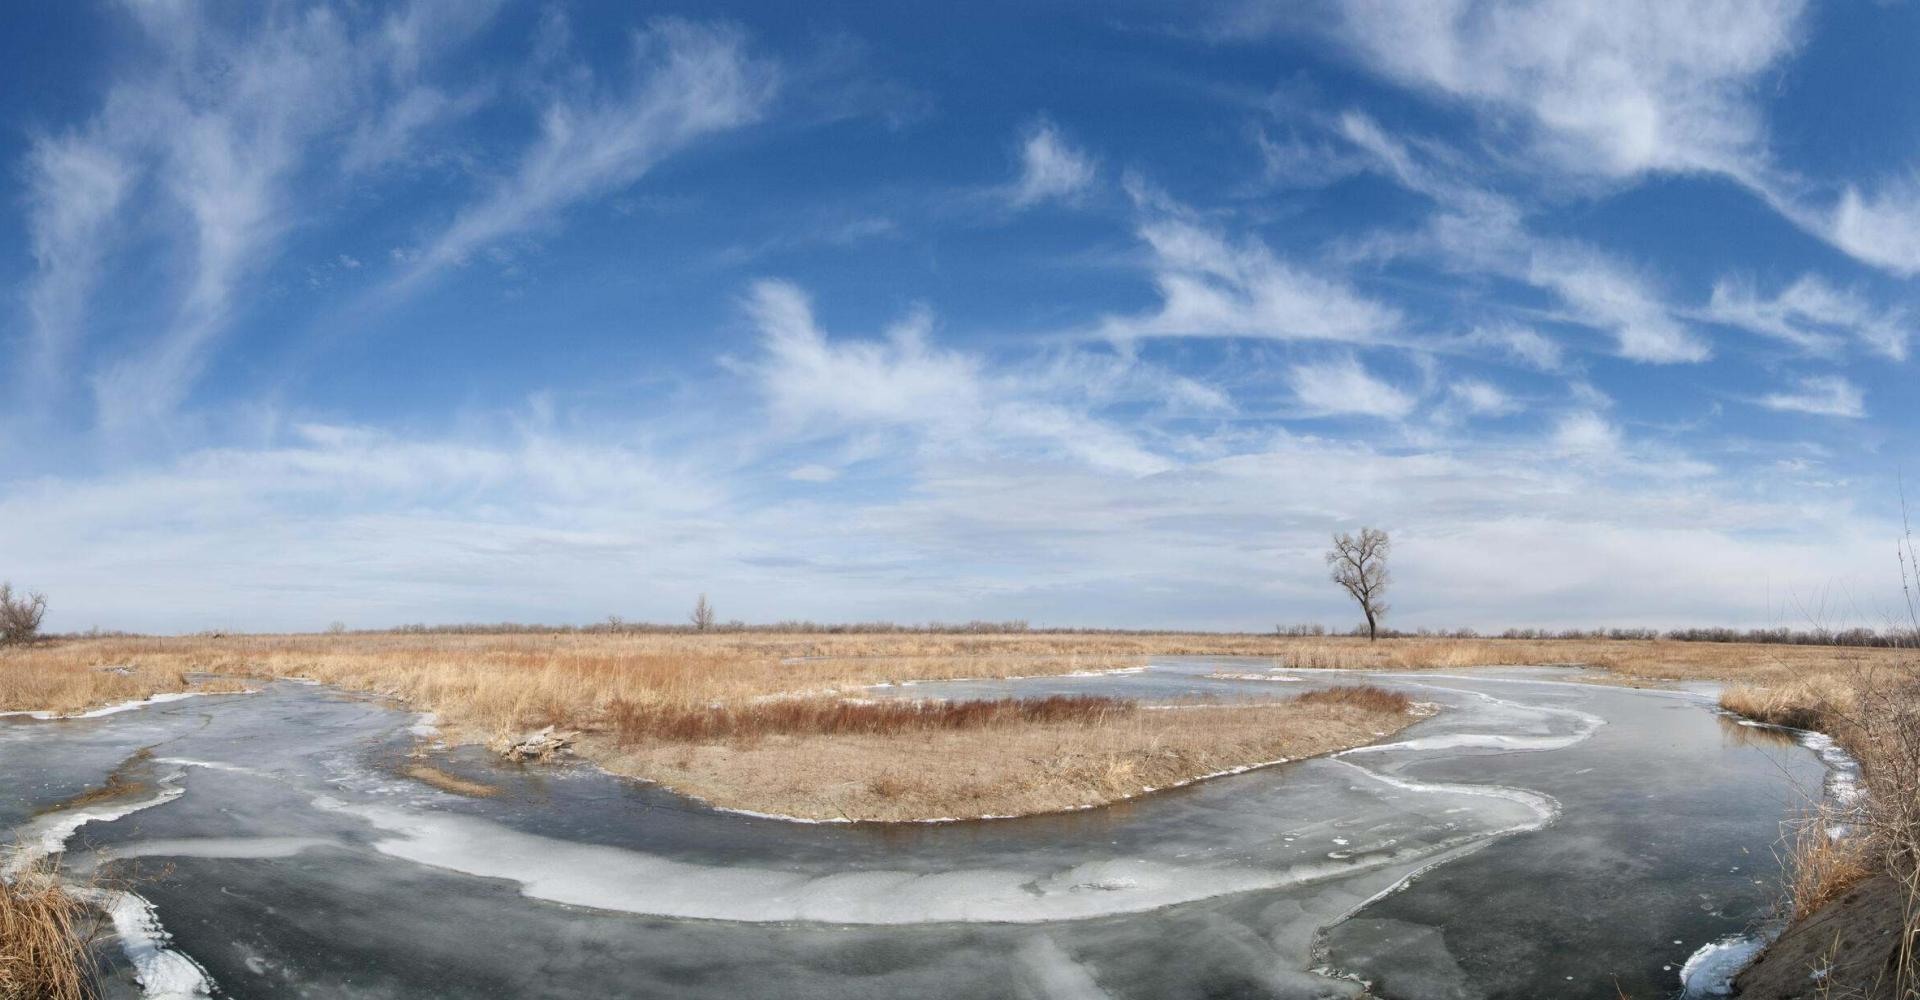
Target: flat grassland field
{"type": "Point", "coordinates": [778, 723]}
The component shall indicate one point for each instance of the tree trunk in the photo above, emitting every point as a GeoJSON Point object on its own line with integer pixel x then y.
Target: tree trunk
{"type": "Point", "coordinates": [1373, 631]}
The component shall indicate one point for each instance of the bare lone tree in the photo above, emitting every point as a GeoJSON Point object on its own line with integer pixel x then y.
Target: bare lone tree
{"type": "Point", "coordinates": [1360, 566]}
{"type": "Point", "coordinates": [702, 616]}
{"type": "Point", "coordinates": [20, 616]}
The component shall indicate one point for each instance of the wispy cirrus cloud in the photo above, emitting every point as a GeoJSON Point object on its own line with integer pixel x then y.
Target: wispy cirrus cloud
{"type": "Point", "coordinates": [687, 81]}
{"type": "Point", "coordinates": [819, 386]}
{"type": "Point", "coordinates": [1821, 396]}
{"type": "Point", "coordinates": [1605, 293]}
{"type": "Point", "coordinates": [1618, 88]}
{"type": "Point", "coordinates": [1051, 167]}
{"type": "Point", "coordinates": [538, 522]}
{"type": "Point", "coordinates": [1812, 315]}
{"type": "Point", "coordinates": [1878, 224]}
{"type": "Point", "coordinates": [1345, 387]}
{"type": "Point", "coordinates": [1477, 229]}
{"type": "Point", "coordinates": [1616, 91]}
{"type": "Point", "coordinates": [1520, 343]}
{"type": "Point", "coordinates": [1212, 285]}
{"type": "Point", "coordinates": [76, 185]}
{"type": "Point", "coordinates": [218, 121]}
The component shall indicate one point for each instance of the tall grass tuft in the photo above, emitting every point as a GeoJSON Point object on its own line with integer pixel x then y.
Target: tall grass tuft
{"type": "Point", "coordinates": [1817, 701]}
{"type": "Point", "coordinates": [1874, 713]}
{"type": "Point", "coordinates": [44, 938]}
{"type": "Point", "coordinates": [1822, 862]}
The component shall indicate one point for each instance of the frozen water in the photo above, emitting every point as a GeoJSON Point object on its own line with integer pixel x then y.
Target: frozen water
{"type": "Point", "coordinates": [1536, 838]}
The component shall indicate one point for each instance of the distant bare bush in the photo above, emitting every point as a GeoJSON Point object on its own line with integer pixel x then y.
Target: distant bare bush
{"type": "Point", "coordinates": [702, 615]}
{"type": "Point", "coordinates": [20, 615]}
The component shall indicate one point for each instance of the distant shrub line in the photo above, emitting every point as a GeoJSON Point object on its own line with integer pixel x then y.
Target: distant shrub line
{"type": "Point", "coordinates": [1861, 637]}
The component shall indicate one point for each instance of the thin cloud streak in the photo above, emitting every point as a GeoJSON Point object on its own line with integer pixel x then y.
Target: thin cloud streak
{"type": "Point", "coordinates": [689, 81]}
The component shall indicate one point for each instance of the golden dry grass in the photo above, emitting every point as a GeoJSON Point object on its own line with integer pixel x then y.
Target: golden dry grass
{"type": "Point", "coordinates": [1003, 765]}
{"type": "Point", "coordinates": [1820, 867]}
{"type": "Point", "coordinates": [44, 936]}
{"type": "Point", "coordinates": [1873, 711]}
{"type": "Point", "coordinates": [1813, 701]}
{"type": "Point", "coordinates": [617, 688]}
{"type": "Point", "coordinates": [72, 677]}
{"type": "Point", "coordinates": [450, 782]}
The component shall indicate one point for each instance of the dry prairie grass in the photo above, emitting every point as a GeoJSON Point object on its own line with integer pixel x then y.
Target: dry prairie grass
{"type": "Point", "coordinates": [631, 723]}
{"type": "Point", "coordinates": [72, 677]}
{"type": "Point", "coordinates": [624, 689]}
{"type": "Point", "coordinates": [1004, 765]}
{"type": "Point", "coordinates": [1820, 867]}
{"type": "Point", "coordinates": [1816, 701]}
{"type": "Point", "coordinates": [1361, 696]}
{"type": "Point", "coordinates": [1873, 711]}
{"type": "Point", "coordinates": [44, 938]}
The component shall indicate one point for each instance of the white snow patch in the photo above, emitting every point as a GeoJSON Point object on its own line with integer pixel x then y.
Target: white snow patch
{"type": "Point", "coordinates": [162, 972]}
{"type": "Point", "coordinates": [47, 835]}
{"type": "Point", "coordinates": [1017, 677]}
{"type": "Point", "coordinates": [1709, 972]}
{"type": "Point", "coordinates": [617, 879]}
{"type": "Point", "coordinates": [125, 706]}
{"type": "Point", "coordinates": [218, 847]}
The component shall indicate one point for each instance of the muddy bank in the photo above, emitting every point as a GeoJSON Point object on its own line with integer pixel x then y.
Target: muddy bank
{"type": "Point", "coordinates": [1847, 949]}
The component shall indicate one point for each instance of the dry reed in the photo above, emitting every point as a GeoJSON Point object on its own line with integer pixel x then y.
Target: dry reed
{"type": "Point", "coordinates": [1873, 711]}
{"type": "Point", "coordinates": [1822, 862]}
{"type": "Point", "coordinates": [45, 936]}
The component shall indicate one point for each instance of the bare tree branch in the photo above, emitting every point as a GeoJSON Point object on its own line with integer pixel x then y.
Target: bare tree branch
{"type": "Point", "coordinates": [1359, 566]}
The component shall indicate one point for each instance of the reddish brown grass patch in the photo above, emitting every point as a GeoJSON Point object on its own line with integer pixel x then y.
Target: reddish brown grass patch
{"type": "Point", "coordinates": [1361, 696]}
{"type": "Point", "coordinates": [633, 722]}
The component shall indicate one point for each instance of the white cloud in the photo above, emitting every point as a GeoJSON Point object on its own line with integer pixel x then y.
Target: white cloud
{"type": "Point", "coordinates": [1810, 314]}
{"type": "Point", "coordinates": [1881, 227]}
{"type": "Point", "coordinates": [813, 473]}
{"type": "Point", "coordinates": [901, 380]}
{"type": "Point", "coordinates": [1482, 398]}
{"type": "Point", "coordinates": [221, 119]}
{"type": "Point", "coordinates": [820, 387]}
{"type": "Point", "coordinates": [1344, 387]}
{"type": "Point", "coordinates": [1616, 88]}
{"type": "Point", "coordinates": [222, 156]}
{"type": "Point", "coordinates": [1523, 344]}
{"type": "Point", "coordinates": [1586, 434]}
{"type": "Point", "coordinates": [1604, 294]}
{"type": "Point", "coordinates": [363, 526]}
{"type": "Point", "coordinates": [1213, 287]}
{"type": "Point", "coordinates": [1050, 167]}
{"type": "Point", "coordinates": [1477, 230]}
{"type": "Point", "coordinates": [689, 81]}
{"type": "Point", "coordinates": [1613, 91]}
{"type": "Point", "coordinates": [1820, 395]}
{"type": "Point", "coordinates": [75, 185]}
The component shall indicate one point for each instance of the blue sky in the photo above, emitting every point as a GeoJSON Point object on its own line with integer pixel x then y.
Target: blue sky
{"type": "Point", "coordinates": [454, 311]}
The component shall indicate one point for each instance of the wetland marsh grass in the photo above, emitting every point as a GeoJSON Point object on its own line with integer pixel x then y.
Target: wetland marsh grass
{"type": "Point", "coordinates": [45, 937]}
